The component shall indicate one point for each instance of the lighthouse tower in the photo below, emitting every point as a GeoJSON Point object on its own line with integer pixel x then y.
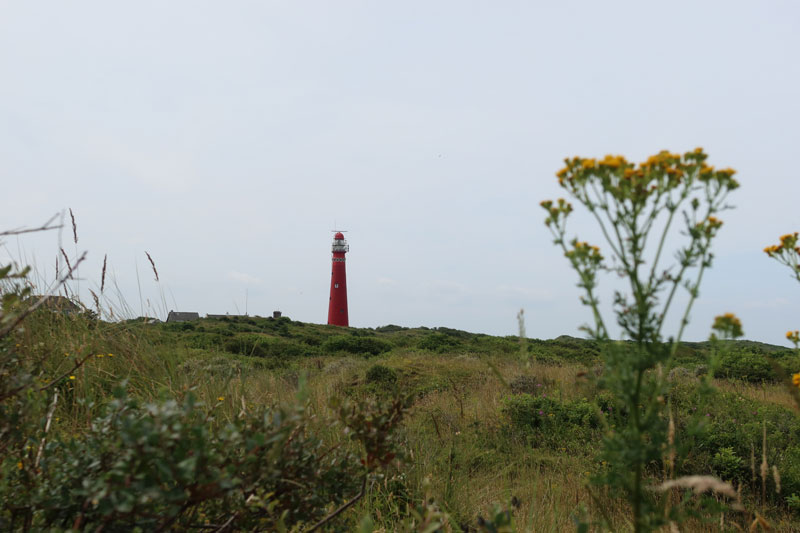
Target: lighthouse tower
{"type": "Point", "coordinates": [337, 305]}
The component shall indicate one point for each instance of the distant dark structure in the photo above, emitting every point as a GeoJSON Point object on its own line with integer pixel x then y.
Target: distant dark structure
{"type": "Point", "coordinates": [176, 316]}
{"type": "Point", "coordinates": [226, 315]}
{"type": "Point", "coordinates": [276, 314]}
{"type": "Point", "coordinates": [59, 304]}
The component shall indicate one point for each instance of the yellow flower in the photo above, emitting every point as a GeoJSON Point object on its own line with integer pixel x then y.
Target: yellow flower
{"type": "Point", "coordinates": [110, 355]}
{"type": "Point", "coordinates": [613, 161]}
{"type": "Point", "coordinates": [19, 465]}
{"type": "Point", "coordinates": [66, 354]}
{"type": "Point", "coordinates": [796, 380]}
{"type": "Point", "coordinates": [728, 325]}
{"type": "Point", "coordinates": [221, 398]}
{"type": "Point", "coordinates": [100, 355]}
{"type": "Point", "coordinates": [72, 377]}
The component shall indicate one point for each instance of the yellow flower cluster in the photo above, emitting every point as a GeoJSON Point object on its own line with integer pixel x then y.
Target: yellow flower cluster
{"type": "Point", "coordinates": [787, 252]}
{"type": "Point", "coordinates": [709, 226]}
{"type": "Point", "coordinates": [788, 244]}
{"type": "Point", "coordinates": [659, 173]}
{"type": "Point", "coordinates": [796, 380]}
{"type": "Point", "coordinates": [728, 325]}
{"type": "Point", "coordinates": [585, 253]}
{"type": "Point", "coordinates": [557, 211]}
{"type": "Point", "coordinates": [793, 336]}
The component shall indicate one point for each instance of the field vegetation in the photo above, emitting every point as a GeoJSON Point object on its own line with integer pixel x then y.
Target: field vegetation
{"type": "Point", "coordinates": [248, 423]}
{"type": "Point", "coordinates": [496, 428]}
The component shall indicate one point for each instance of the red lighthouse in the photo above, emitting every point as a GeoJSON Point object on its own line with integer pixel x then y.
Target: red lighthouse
{"type": "Point", "coordinates": [337, 305]}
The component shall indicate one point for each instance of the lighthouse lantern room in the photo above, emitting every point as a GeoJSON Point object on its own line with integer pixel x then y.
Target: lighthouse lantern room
{"type": "Point", "coordinates": [337, 303]}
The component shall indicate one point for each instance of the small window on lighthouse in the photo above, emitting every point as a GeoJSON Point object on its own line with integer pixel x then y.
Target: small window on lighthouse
{"type": "Point", "coordinates": [335, 285]}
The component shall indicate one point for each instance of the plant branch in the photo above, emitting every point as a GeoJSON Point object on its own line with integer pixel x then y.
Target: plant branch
{"type": "Point", "coordinates": [44, 227]}
{"type": "Point", "coordinates": [341, 508]}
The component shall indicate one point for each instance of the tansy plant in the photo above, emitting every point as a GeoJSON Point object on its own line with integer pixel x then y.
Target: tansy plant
{"type": "Point", "coordinates": [787, 252]}
{"type": "Point", "coordinates": [638, 209]}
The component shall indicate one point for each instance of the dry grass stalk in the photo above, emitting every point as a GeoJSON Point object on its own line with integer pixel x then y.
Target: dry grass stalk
{"type": "Point", "coordinates": [103, 275]}
{"type": "Point", "coordinates": [152, 263]}
{"type": "Point", "coordinates": [760, 521]}
{"type": "Point", "coordinates": [69, 266]}
{"type": "Point", "coordinates": [96, 300]}
{"type": "Point", "coordinates": [44, 227]}
{"type": "Point", "coordinates": [669, 466]}
{"type": "Point", "coordinates": [776, 476]}
{"type": "Point", "coordinates": [74, 227]}
{"type": "Point", "coordinates": [764, 465]}
{"type": "Point", "coordinates": [701, 484]}
{"type": "Point", "coordinates": [671, 441]}
{"type": "Point", "coordinates": [46, 429]}
{"type": "Point", "coordinates": [752, 463]}
{"type": "Point", "coordinates": [243, 411]}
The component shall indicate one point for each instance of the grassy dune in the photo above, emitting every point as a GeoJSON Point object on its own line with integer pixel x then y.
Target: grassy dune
{"type": "Point", "coordinates": [494, 421]}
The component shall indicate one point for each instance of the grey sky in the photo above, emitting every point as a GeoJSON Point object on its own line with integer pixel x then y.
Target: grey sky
{"type": "Point", "coordinates": [227, 139]}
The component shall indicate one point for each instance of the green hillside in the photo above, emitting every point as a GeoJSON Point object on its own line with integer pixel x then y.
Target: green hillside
{"type": "Point", "coordinates": [494, 429]}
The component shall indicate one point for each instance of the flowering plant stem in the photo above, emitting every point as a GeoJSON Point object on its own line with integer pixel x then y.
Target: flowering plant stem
{"type": "Point", "coordinates": [630, 204]}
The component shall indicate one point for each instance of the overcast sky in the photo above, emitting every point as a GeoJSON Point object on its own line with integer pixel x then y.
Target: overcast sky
{"type": "Point", "coordinates": [228, 139]}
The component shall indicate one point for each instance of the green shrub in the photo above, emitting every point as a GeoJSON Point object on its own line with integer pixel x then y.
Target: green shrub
{"type": "Point", "coordinates": [745, 366]}
{"type": "Point", "coordinates": [390, 328]}
{"type": "Point", "coordinates": [727, 465]}
{"type": "Point", "coordinates": [456, 333]}
{"type": "Point", "coordinates": [438, 342]}
{"type": "Point", "coordinates": [179, 326]}
{"type": "Point", "coordinates": [717, 420]}
{"type": "Point", "coordinates": [549, 422]}
{"type": "Point", "coordinates": [366, 346]}
{"type": "Point", "coordinates": [204, 340]}
{"type": "Point", "coordinates": [162, 466]}
{"type": "Point", "coordinates": [262, 346]}
{"type": "Point", "coordinates": [382, 375]}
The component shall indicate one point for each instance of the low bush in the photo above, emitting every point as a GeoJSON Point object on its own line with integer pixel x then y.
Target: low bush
{"type": "Point", "coordinates": [163, 466]}
{"type": "Point", "coordinates": [381, 375]}
{"type": "Point", "coordinates": [365, 346]}
{"type": "Point", "coordinates": [390, 328]}
{"type": "Point", "coordinates": [547, 422]}
{"type": "Point", "coordinates": [263, 346]}
{"type": "Point", "coordinates": [746, 366]}
{"type": "Point", "coordinates": [720, 427]}
{"type": "Point", "coordinates": [438, 342]}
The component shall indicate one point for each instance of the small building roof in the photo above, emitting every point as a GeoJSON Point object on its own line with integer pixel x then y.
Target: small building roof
{"type": "Point", "coordinates": [181, 316]}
